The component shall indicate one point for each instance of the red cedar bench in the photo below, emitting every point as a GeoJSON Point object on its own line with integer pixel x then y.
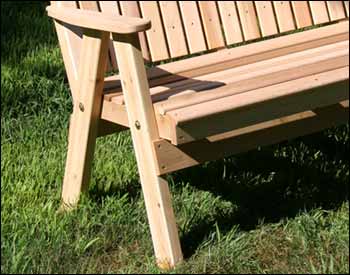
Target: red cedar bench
{"type": "Point", "coordinates": [208, 106]}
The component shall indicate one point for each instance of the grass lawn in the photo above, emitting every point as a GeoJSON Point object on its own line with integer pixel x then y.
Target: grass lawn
{"type": "Point", "coordinates": [279, 209]}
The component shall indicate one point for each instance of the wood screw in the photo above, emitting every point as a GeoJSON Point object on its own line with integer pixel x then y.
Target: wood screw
{"type": "Point", "coordinates": [137, 125]}
{"type": "Point", "coordinates": [81, 106]}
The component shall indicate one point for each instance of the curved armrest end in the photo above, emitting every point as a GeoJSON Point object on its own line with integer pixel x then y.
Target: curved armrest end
{"type": "Point", "coordinates": [99, 21]}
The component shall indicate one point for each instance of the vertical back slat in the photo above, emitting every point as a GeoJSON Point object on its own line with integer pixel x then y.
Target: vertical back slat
{"type": "Point", "coordinates": [302, 14]}
{"type": "Point", "coordinates": [155, 35]}
{"type": "Point", "coordinates": [130, 8]}
{"type": "Point", "coordinates": [211, 24]}
{"type": "Point", "coordinates": [336, 10]}
{"type": "Point", "coordinates": [266, 17]}
{"type": "Point", "coordinates": [284, 16]}
{"type": "Point", "coordinates": [248, 19]}
{"type": "Point", "coordinates": [70, 40]}
{"type": "Point", "coordinates": [110, 7]}
{"type": "Point", "coordinates": [319, 12]}
{"type": "Point", "coordinates": [93, 5]}
{"type": "Point", "coordinates": [230, 22]}
{"type": "Point", "coordinates": [193, 27]}
{"type": "Point", "coordinates": [346, 4]}
{"type": "Point", "coordinates": [173, 28]}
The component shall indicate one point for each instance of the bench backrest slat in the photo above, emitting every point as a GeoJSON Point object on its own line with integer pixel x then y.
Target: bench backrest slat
{"type": "Point", "coordinates": [336, 10]}
{"type": "Point", "coordinates": [211, 24]}
{"type": "Point", "coordinates": [266, 18]}
{"type": "Point", "coordinates": [346, 3]}
{"type": "Point", "coordinates": [249, 21]}
{"type": "Point", "coordinates": [230, 22]}
{"type": "Point", "coordinates": [193, 26]}
{"type": "Point", "coordinates": [319, 12]}
{"type": "Point", "coordinates": [180, 28]}
{"type": "Point", "coordinates": [155, 35]}
{"type": "Point", "coordinates": [284, 16]}
{"type": "Point", "coordinates": [173, 28]}
{"type": "Point", "coordinates": [302, 14]}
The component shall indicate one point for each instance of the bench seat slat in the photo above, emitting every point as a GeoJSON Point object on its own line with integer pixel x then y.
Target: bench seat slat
{"type": "Point", "coordinates": [264, 73]}
{"type": "Point", "coordinates": [229, 58]}
{"type": "Point", "coordinates": [269, 102]}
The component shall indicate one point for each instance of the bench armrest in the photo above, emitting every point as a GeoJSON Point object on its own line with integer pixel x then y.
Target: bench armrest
{"type": "Point", "coordinates": [99, 21]}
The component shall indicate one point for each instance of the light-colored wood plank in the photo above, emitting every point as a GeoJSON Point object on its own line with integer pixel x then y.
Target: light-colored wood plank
{"type": "Point", "coordinates": [193, 27]}
{"type": "Point", "coordinates": [112, 8]}
{"type": "Point", "coordinates": [284, 16]}
{"type": "Point", "coordinates": [336, 10]}
{"type": "Point", "coordinates": [319, 12]}
{"type": "Point", "coordinates": [144, 131]}
{"type": "Point", "coordinates": [247, 54]}
{"type": "Point", "coordinates": [302, 13]}
{"type": "Point", "coordinates": [270, 102]}
{"type": "Point", "coordinates": [130, 8]}
{"type": "Point", "coordinates": [93, 6]}
{"type": "Point", "coordinates": [96, 20]}
{"type": "Point", "coordinates": [155, 36]}
{"type": "Point", "coordinates": [172, 158]}
{"type": "Point", "coordinates": [230, 22]}
{"type": "Point", "coordinates": [70, 39]}
{"type": "Point", "coordinates": [346, 4]}
{"type": "Point", "coordinates": [248, 19]}
{"type": "Point", "coordinates": [211, 24]}
{"type": "Point", "coordinates": [173, 28]}
{"type": "Point", "coordinates": [266, 18]}
{"type": "Point", "coordinates": [86, 114]}
{"type": "Point", "coordinates": [261, 74]}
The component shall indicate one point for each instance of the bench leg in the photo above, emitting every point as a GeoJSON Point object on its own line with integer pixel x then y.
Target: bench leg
{"type": "Point", "coordinates": [144, 132]}
{"type": "Point", "coordinates": [86, 113]}
{"type": "Point", "coordinates": [159, 207]}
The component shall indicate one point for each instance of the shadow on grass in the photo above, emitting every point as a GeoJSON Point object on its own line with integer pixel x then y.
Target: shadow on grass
{"type": "Point", "coordinates": [269, 188]}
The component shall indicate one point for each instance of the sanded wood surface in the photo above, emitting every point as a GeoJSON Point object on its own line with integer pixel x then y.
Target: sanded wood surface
{"type": "Point", "coordinates": [211, 24]}
{"type": "Point", "coordinates": [336, 10]}
{"type": "Point", "coordinates": [302, 14]}
{"type": "Point", "coordinates": [155, 36]}
{"type": "Point", "coordinates": [173, 28]}
{"type": "Point", "coordinates": [248, 19]}
{"type": "Point", "coordinates": [144, 131]}
{"type": "Point", "coordinates": [284, 15]}
{"type": "Point", "coordinates": [230, 22]}
{"type": "Point", "coordinates": [173, 158]}
{"type": "Point", "coordinates": [266, 17]}
{"type": "Point", "coordinates": [131, 8]}
{"type": "Point", "coordinates": [319, 12]}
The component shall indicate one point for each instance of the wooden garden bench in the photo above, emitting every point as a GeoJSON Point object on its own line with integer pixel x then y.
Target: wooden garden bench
{"type": "Point", "coordinates": [222, 101]}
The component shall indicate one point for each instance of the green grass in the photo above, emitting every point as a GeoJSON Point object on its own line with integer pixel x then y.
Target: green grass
{"type": "Point", "coordinates": [279, 209]}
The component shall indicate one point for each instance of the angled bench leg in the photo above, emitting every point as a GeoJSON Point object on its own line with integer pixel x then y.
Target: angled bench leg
{"type": "Point", "coordinates": [85, 117]}
{"type": "Point", "coordinates": [144, 131]}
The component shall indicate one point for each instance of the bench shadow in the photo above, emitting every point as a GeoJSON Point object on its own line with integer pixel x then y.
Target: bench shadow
{"type": "Point", "coordinates": [294, 187]}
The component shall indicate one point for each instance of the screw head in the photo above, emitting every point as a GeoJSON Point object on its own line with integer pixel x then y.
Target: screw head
{"type": "Point", "coordinates": [81, 106]}
{"type": "Point", "coordinates": [137, 125]}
